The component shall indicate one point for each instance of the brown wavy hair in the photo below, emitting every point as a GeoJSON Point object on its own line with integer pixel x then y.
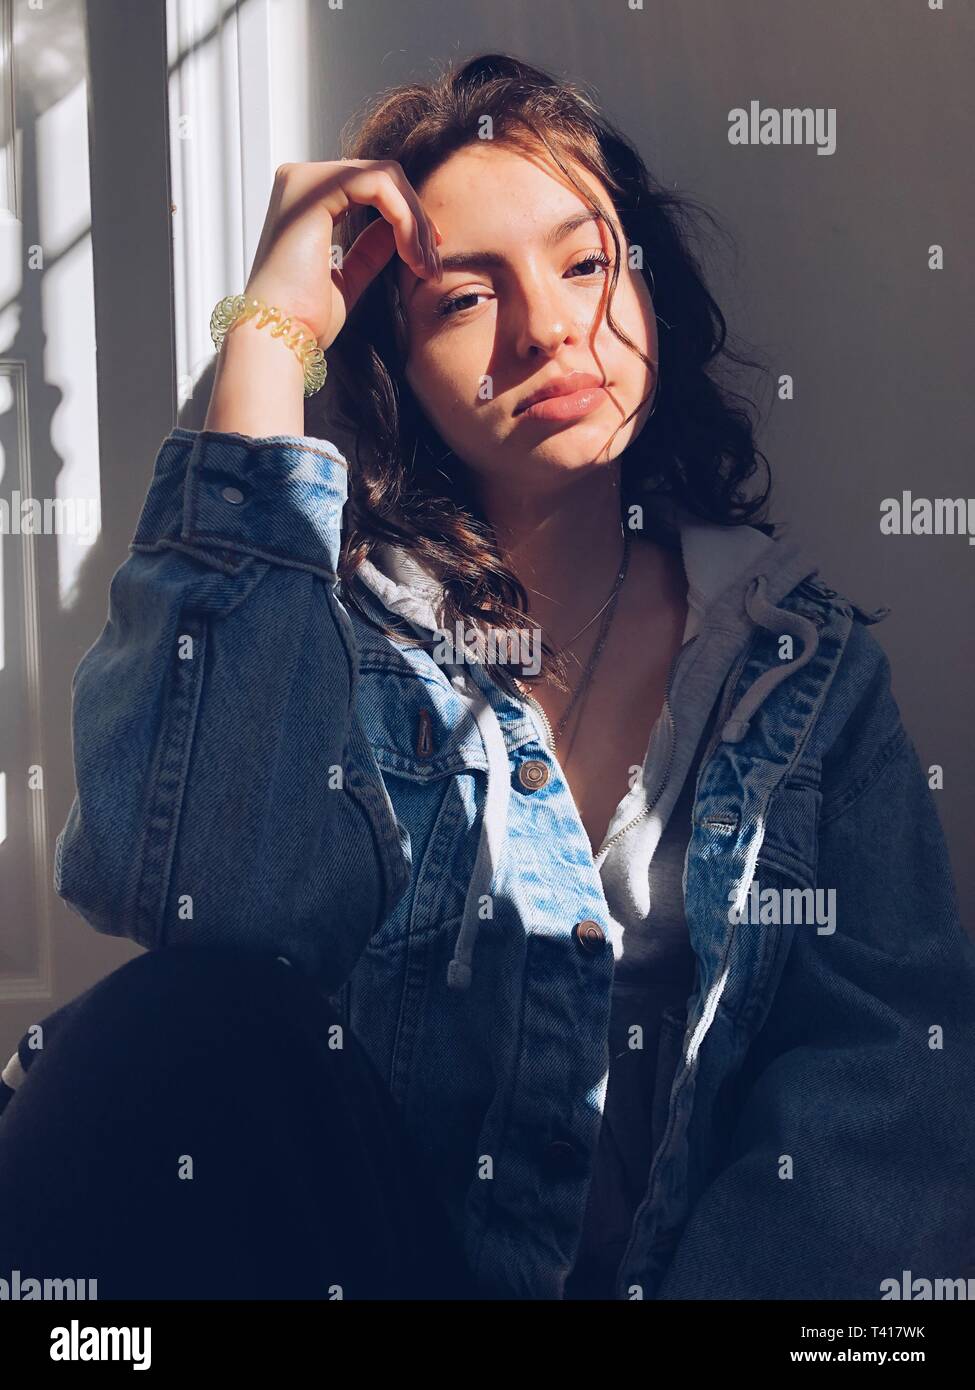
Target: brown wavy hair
{"type": "Point", "coordinates": [698, 445]}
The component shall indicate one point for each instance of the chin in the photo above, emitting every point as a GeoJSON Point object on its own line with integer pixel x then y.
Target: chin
{"type": "Point", "coordinates": [579, 445]}
{"type": "Point", "coordinates": [569, 460]}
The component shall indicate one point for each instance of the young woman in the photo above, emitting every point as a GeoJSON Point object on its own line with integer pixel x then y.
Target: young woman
{"type": "Point", "coordinates": [622, 960]}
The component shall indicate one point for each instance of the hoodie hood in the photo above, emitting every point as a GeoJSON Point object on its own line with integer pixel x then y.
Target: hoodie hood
{"type": "Point", "coordinates": [736, 576]}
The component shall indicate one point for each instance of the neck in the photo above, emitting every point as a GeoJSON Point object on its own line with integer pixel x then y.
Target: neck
{"type": "Point", "coordinates": [564, 544]}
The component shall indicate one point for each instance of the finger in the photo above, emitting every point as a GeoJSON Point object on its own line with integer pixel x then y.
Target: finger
{"type": "Point", "coordinates": [377, 187]}
{"type": "Point", "coordinates": [425, 224]}
{"type": "Point", "coordinates": [367, 181]}
{"type": "Point", "coordinates": [365, 258]}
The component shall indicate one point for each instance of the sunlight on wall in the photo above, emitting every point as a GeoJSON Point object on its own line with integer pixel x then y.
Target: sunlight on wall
{"type": "Point", "coordinates": [238, 103]}
{"type": "Point", "coordinates": [68, 310]}
{"type": "Point", "coordinates": [6, 399]}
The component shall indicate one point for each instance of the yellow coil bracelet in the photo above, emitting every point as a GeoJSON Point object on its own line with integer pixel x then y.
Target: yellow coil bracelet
{"type": "Point", "coordinates": [236, 308]}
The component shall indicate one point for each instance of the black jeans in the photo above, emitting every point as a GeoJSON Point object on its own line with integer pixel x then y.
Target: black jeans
{"type": "Point", "coordinates": [189, 1133]}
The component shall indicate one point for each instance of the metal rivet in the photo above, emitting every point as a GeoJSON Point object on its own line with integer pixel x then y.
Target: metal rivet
{"type": "Point", "coordinates": [533, 775]}
{"type": "Point", "coordinates": [558, 1159]}
{"type": "Point", "coordinates": [590, 936]}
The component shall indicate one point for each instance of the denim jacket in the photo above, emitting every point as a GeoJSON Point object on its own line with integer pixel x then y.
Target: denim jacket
{"type": "Point", "coordinates": [255, 764]}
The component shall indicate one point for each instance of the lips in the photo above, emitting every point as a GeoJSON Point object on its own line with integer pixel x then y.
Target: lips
{"type": "Point", "coordinates": [567, 385]}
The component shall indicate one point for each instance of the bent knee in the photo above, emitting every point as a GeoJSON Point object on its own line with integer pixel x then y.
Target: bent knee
{"type": "Point", "coordinates": [175, 1005]}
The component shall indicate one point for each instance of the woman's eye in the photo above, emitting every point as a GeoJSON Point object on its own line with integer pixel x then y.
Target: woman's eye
{"type": "Point", "coordinates": [596, 258]}
{"type": "Point", "coordinates": [448, 307]}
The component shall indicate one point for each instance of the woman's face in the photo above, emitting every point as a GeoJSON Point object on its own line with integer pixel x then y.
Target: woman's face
{"type": "Point", "coordinates": [526, 308]}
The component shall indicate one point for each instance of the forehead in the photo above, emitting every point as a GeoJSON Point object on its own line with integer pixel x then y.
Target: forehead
{"type": "Point", "coordinates": [489, 197]}
{"type": "Point", "coordinates": [487, 166]}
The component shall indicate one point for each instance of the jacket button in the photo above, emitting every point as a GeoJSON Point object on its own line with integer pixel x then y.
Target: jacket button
{"type": "Point", "coordinates": [590, 936]}
{"type": "Point", "coordinates": [533, 775]}
{"type": "Point", "coordinates": [232, 494]}
{"type": "Point", "coordinates": [558, 1159]}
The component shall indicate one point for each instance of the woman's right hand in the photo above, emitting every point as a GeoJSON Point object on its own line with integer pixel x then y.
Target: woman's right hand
{"type": "Point", "coordinates": [292, 267]}
{"type": "Point", "coordinates": [258, 387]}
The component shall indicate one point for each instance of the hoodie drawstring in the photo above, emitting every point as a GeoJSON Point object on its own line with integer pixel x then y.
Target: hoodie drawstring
{"type": "Point", "coordinates": [777, 620]}
{"type": "Point", "coordinates": [493, 827]}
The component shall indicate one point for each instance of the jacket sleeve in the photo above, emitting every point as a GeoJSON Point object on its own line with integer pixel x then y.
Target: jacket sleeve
{"type": "Point", "coordinates": [225, 791]}
{"type": "Point", "coordinates": [861, 1074]}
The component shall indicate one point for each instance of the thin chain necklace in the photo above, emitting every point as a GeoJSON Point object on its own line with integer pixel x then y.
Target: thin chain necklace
{"type": "Point", "coordinates": [593, 661]}
{"type": "Point", "coordinates": [615, 590]}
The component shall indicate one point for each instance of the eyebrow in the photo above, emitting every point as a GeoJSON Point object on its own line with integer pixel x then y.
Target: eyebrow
{"type": "Point", "coordinates": [472, 260]}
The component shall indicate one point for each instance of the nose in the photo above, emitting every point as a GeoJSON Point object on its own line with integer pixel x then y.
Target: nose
{"type": "Point", "coordinates": [546, 319]}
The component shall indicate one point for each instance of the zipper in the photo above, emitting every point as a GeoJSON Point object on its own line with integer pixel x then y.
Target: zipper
{"type": "Point", "coordinates": [662, 782]}
{"type": "Point", "coordinates": [550, 737]}
{"type": "Point", "coordinates": [723, 712]}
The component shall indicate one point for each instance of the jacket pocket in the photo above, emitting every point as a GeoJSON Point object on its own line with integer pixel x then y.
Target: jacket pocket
{"type": "Point", "coordinates": [415, 723]}
{"type": "Point", "coordinates": [429, 751]}
{"type": "Point", "coordinates": [790, 842]}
